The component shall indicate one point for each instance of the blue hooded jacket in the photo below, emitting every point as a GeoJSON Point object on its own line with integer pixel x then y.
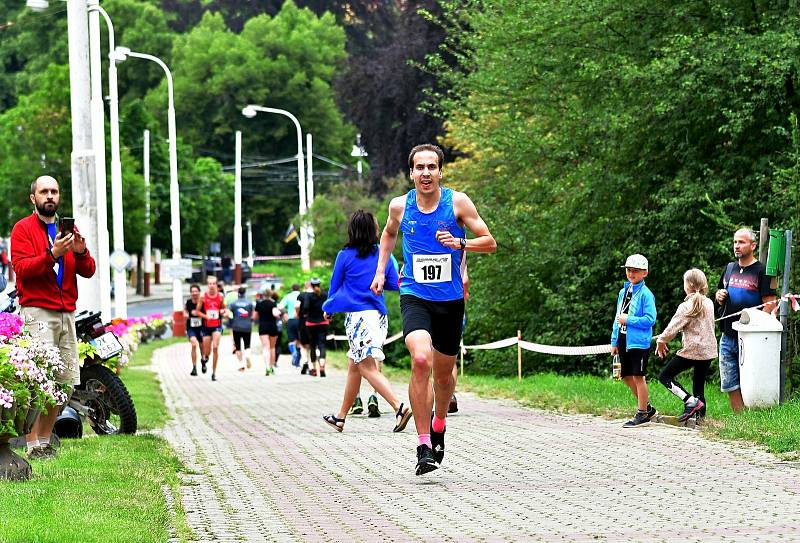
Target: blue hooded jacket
{"type": "Point", "coordinates": [641, 317]}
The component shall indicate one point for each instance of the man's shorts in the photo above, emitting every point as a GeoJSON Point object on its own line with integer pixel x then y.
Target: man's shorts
{"type": "Point", "coordinates": [209, 330]}
{"type": "Point", "coordinates": [56, 328]}
{"type": "Point", "coordinates": [196, 333]}
{"type": "Point", "coordinates": [292, 330]}
{"type": "Point", "coordinates": [241, 340]}
{"type": "Point", "coordinates": [442, 320]}
{"type": "Point", "coordinates": [728, 363]}
{"type": "Point", "coordinates": [366, 332]}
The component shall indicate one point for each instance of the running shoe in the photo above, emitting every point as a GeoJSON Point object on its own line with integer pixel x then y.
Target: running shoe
{"type": "Point", "coordinates": [637, 420]}
{"type": "Point", "coordinates": [372, 407]}
{"type": "Point", "coordinates": [689, 411]}
{"type": "Point", "coordinates": [313, 372]}
{"type": "Point", "coordinates": [194, 371]}
{"type": "Point", "coordinates": [651, 412]}
{"type": "Point", "coordinates": [357, 408]}
{"type": "Point", "coordinates": [425, 460]}
{"type": "Point", "coordinates": [203, 362]}
{"type": "Point", "coordinates": [304, 369]}
{"type": "Point", "coordinates": [322, 372]}
{"type": "Point", "coordinates": [213, 376]}
{"type": "Point", "coordinates": [453, 407]}
{"type": "Point", "coordinates": [270, 371]}
{"type": "Point", "coordinates": [48, 451]}
{"type": "Point", "coordinates": [437, 440]}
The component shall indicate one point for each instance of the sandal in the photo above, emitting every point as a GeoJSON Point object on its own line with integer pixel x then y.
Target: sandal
{"type": "Point", "coordinates": [335, 422]}
{"type": "Point", "coordinates": [402, 416]}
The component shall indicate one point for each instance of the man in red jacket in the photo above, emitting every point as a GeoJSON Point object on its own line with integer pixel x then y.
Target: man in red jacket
{"type": "Point", "coordinates": [46, 262]}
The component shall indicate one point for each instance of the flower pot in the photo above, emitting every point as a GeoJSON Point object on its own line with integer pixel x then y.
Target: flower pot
{"type": "Point", "coordinates": [12, 466]}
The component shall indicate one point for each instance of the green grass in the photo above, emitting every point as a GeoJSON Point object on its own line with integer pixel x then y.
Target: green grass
{"type": "Point", "coordinates": [103, 489]}
{"type": "Point", "coordinates": [775, 428]}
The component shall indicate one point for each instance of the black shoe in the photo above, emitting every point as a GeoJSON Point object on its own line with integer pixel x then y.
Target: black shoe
{"type": "Point", "coordinates": [425, 460]}
{"type": "Point", "coordinates": [322, 372]}
{"type": "Point", "coordinates": [194, 371]}
{"type": "Point", "coordinates": [651, 412]}
{"type": "Point", "coordinates": [372, 407]}
{"type": "Point", "coordinates": [304, 369]}
{"type": "Point", "coordinates": [437, 440]}
{"type": "Point", "coordinates": [213, 376]}
{"type": "Point", "coordinates": [203, 362]}
{"type": "Point", "coordinates": [453, 407]}
{"type": "Point", "coordinates": [637, 420]}
{"type": "Point", "coordinates": [357, 408]}
{"type": "Point", "coordinates": [689, 411]}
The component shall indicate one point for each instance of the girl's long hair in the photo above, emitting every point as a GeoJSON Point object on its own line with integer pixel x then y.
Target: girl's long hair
{"type": "Point", "coordinates": [698, 285]}
{"type": "Point", "coordinates": [362, 233]}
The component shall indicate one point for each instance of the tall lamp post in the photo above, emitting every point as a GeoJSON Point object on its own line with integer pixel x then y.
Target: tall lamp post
{"type": "Point", "coordinates": [250, 111]}
{"type": "Point", "coordinates": [120, 283]}
{"type": "Point", "coordinates": [120, 54]}
{"type": "Point", "coordinates": [237, 212]}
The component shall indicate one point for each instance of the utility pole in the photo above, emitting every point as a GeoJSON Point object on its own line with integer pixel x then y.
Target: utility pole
{"type": "Point", "coordinates": [237, 212]}
{"type": "Point", "coordinates": [250, 260]}
{"type": "Point", "coordinates": [84, 185]}
{"type": "Point", "coordinates": [99, 140]}
{"type": "Point", "coordinates": [147, 249]}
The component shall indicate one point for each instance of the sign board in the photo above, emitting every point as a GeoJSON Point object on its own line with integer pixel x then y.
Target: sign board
{"type": "Point", "coordinates": [176, 268]}
{"type": "Point", "coordinates": [119, 260]}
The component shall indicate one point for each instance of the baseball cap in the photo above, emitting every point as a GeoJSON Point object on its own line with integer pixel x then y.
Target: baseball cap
{"type": "Point", "coordinates": [636, 261]}
{"type": "Point", "coordinates": [315, 282]}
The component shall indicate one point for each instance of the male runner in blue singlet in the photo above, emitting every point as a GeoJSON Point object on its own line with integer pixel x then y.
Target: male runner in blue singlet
{"type": "Point", "coordinates": [433, 220]}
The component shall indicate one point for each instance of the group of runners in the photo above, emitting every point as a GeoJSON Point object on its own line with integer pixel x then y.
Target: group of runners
{"type": "Point", "coordinates": [432, 285]}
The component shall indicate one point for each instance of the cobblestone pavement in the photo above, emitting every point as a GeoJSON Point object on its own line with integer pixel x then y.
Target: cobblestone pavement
{"type": "Point", "coordinates": [263, 466]}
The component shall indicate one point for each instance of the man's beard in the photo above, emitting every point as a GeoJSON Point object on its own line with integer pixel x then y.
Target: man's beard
{"type": "Point", "coordinates": [44, 211]}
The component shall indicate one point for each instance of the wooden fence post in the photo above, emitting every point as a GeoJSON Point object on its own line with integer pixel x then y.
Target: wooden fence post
{"type": "Point", "coordinates": [519, 355]}
{"type": "Point", "coordinates": [461, 352]}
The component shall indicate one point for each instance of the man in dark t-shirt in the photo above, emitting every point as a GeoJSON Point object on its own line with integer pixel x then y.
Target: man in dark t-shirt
{"type": "Point", "coordinates": [301, 312]}
{"type": "Point", "coordinates": [743, 284]}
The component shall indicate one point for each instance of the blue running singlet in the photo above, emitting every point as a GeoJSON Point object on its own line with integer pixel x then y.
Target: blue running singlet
{"type": "Point", "coordinates": [431, 271]}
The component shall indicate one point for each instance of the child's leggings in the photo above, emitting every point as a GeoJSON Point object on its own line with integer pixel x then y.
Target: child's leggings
{"type": "Point", "coordinates": [677, 365]}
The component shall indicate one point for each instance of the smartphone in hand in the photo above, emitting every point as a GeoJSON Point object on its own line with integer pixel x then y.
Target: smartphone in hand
{"type": "Point", "coordinates": [66, 225]}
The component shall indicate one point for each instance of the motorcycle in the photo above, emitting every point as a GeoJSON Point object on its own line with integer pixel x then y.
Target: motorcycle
{"type": "Point", "coordinates": [101, 397]}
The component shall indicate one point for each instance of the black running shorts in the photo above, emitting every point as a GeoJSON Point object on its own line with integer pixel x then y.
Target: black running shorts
{"type": "Point", "coordinates": [633, 361]}
{"type": "Point", "coordinates": [239, 339]}
{"type": "Point", "coordinates": [292, 329]}
{"type": "Point", "coordinates": [442, 320]}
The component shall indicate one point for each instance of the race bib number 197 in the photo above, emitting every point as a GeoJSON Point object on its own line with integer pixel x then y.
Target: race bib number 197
{"type": "Point", "coordinates": [432, 268]}
{"type": "Point", "coordinates": [213, 314]}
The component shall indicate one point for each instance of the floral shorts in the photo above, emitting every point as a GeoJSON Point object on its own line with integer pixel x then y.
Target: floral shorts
{"type": "Point", "coordinates": [366, 332]}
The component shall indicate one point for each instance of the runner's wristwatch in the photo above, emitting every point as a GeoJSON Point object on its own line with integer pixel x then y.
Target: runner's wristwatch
{"type": "Point", "coordinates": [463, 242]}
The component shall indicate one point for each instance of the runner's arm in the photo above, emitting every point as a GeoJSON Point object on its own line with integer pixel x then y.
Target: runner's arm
{"type": "Point", "coordinates": [392, 277]}
{"type": "Point", "coordinates": [466, 212]}
{"type": "Point", "coordinates": [388, 242]}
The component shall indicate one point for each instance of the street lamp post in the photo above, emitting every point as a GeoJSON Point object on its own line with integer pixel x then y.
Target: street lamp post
{"type": "Point", "coordinates": [237, 212]}
{"type": "Point", "coordinates": [147, 248]}
{"type": "Point", "coordinates": [250, 112]}
{"type": "Point", "coordinates": [120, 54]}
{"type": "Point", "coordinates": [120, 283]}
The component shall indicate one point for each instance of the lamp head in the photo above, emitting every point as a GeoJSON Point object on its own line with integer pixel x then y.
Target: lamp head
{"type": "Point", "coordinates": [120, 54]}
{"type": "Point", "coordinates": [38, 5]}
{"type": "Point", "coordinates": [249, 112]}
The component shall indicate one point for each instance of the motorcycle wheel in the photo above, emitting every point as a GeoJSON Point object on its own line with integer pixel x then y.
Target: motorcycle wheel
{"type": "Point", "coordinates": [113, 410]}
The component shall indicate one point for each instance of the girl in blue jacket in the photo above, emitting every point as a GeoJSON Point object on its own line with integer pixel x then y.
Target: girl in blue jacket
{"type": "Point", "coordinates": [365, 316]}
{"type": "Point", "coordinates": [632, 334]}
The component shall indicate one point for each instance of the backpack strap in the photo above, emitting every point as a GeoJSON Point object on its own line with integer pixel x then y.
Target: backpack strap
{"type": "Point", "coordinates": [728, 272]}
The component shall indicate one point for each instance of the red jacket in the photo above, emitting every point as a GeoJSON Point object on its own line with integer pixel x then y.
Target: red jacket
{"type": "Point", "coordinates": [36, 281]}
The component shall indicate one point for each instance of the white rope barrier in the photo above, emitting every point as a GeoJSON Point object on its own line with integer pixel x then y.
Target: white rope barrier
{"type": "Point", "coordinates": [565, 351]}
{"type": "Point", "coordinates": [493, 345]}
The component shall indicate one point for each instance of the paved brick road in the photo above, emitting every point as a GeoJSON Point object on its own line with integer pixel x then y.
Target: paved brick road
{"type": "Point", "coordinates": [265, 467]}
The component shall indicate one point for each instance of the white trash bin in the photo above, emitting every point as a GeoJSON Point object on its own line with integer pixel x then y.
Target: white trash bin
{"type": "Point", "coordinates": [759, 357]}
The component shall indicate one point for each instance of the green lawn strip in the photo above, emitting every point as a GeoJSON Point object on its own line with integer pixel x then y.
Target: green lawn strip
{"type": "Point", "coordinates": [103, 489]}
{"type": "Point", "coordinates": [144, 353]}
{"type": "Point", "coordinates": [775, 428]}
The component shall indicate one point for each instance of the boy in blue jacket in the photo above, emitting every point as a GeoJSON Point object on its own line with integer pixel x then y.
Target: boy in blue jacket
{"type": "Point", "coordinates": [632, 334]}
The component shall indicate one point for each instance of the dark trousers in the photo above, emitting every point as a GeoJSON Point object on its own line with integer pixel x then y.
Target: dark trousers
{"type": "Point", "coordinates": [317, 334]}
{"type": "Point", "coordinates": [677, 365]}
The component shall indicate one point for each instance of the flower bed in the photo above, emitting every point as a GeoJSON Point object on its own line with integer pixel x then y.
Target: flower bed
{"type": "Point", "coordinates": [131, 332]}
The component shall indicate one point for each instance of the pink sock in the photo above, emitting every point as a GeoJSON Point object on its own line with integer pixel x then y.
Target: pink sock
{"type": "Point", "coordinates": [425, 439]}
{"type": "Point", "coordinates": [438, 424]}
